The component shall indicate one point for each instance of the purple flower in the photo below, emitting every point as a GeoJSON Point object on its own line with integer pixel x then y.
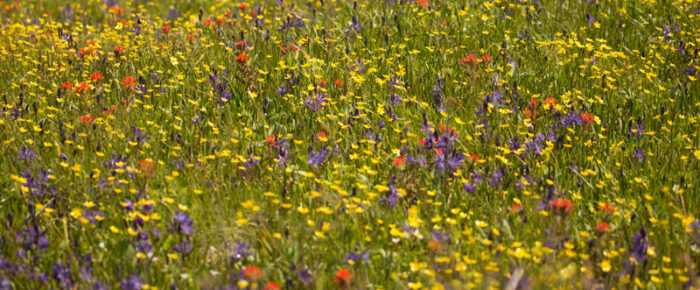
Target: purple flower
{"type": "Point", "coordinates": [317, 102]}
{"type": "Point", "coordinates": [182, 223]}
{"type": "Point", "coordinates": [469, 187]}
{"type": "Point", "coordinates": [132, 283]}
{"type": "Point", "coordinates": [356, 256]}
{"type": "Point", "coordinates": [63, 275]}
{"type": "Point", "coordinates": [316, 158]}
{"type": "Point", "coordinates": [304, 275]}
{"type": "Point", "coordinates": [25, 154]}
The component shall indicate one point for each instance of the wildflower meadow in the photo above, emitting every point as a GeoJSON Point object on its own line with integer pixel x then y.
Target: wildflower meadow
{"type": "Point", "coordinates": [340, 144]}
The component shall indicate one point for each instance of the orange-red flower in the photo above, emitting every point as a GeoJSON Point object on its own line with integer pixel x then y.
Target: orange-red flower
{"type": "Point", "coordinates": [118, 50]}
{"type": "Point", "coordinates": [321, 135]}
{"type": "Point", "coordinates": [343, 277]}
{"type": "Point", "coordinates": [468, 60]}
{"type": "Point", "coordinates": [242, 58]}
{"type": "Point", "coordinates": [82, 88]}
{"type": "Point", "coordinates": [253, 273]}
{"type": "Point", "coordinates": [97, 77]}
{"type": "Point", "coordinates": [166, 29]}
{"type": "Point", "coordinates": [66, 86]}
{"type": "Point", "coordinates": [241, 45]}
{"type": "Point", "coordinates": [486, 58]}
{"type": "Point", "coordinates": [400, 161]}
{"type": "Point", "coordinates": [85, 119]}
{"type": "Point", "coordinates": [587, 118]}
{"type": "Point", "coordinates": [561, 206]}
{"type": "Point", "coordinates": [243, 6]}
{"type": "Point", "coordinates": [474, 157]}
{"type": "Point", "coordinates": [550, 101]}
{"type": "Point", "coordinates": [602, 227]}
{"type": "Point", "coordinates": [516, 207]}
{"type": "Point", "coordinates": [128, 83]}
{"type": "Point", "coordinates": [606, 208]}
{"type": "Point", "coordinates": [434, 245]}
{"type": "Point", "coordinates": [272, 286]}
{"type": "Point", "coordinates": [338, 82]}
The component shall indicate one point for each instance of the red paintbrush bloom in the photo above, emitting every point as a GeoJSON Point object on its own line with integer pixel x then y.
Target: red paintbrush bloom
{"type": "Point", "coordinates": [474, 157]}
{"type": "Point", "coordinates": [243, 6]}
{"type": "Point", "coordinates": [97, 77]}
{"type": "Point", "coordinates": [241, 45]}
{"type": "Point", "coordinates": [242, 58]}
{"type": "Point", "coordinates": [166, 29]}
{"type": "Point", "coordinates": [468, 60]}
{"type": "Point", "coordinates": [399, 161]}
{"type": "Point", "coordinates": [343, 277]}
{"type": "Point", "coordinates": [602, 227]}
{"type": "Point", "coordinates": [338, 82]}
{"type": "Point", "coordinates": [561, 206]}
{"type": "Point", "coordinates": [272, 286]}
{"type": "Point", "coordinates": [271, 140]}
{"type": "Point", "coordinates": [85, 119]}
{"type": "Point", "coordinates": [606, 208]}
{"type": "Point", "coordinates": [253, 273]}
{"type": "Point", "coordinates": [587, 118]}
{"type": "Point", "coordinates": [82, 88]}
{"type": "Point", "coordinates": [486, 58]}
{"type": "Point", "coordinates": [128, 83]}
{"type": "Point", "coordinates": [516, 207]}
{"type": "Point", "coordinates": [66, 86]}
{"type": "Point", "coordinates": [118, 50]}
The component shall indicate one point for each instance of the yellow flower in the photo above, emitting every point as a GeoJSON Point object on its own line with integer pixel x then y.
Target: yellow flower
{"type": "Point", "coordinates": [605, 266]}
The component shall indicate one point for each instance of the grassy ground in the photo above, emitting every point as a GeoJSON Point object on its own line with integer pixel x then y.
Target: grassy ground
{"type": "Point", "coordinates": [368, 144]}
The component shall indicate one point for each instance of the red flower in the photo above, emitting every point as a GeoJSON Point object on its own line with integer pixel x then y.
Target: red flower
{"type": "Point", "coordinates": [272, 286]}
{"type": "Point", "coordinates": [486, 58]}
{"type": "Point", "coordinates": [208, 22]}
{"type": "Point", "coordinates": [587, 118]}
{"type": "Point", "coordinates": [321, 135]}
{"type": "Point", "coordinates": [468, 60]}
{"type": "Point", "coordinates": [128, 83]}
{"type": "Point", "coordinates": [271, 140]}
{"type": "Point", "coordinates": [254, 13]}
{"type": "Point", "coordinates": [474, 157]}
{"type": "Point", "coordinates": [606, 208]}
{"type": "Point", "coordinates": [66, 86]}
{"type": "Point", "coordinates": [147, 167]}
{"type": "Point", "coordinates": [84, 51]}
{"type": "Point", "coordinates": [96, 77]}
{"type": "Point", "coordinates": [423, 3]}
{"type": "Point", "coordinates": [550, 101]}
{"type": "Point", "coordinates": [561, 206]}
{"type": "Point", "coordinates": [242, 58]}
{"type": "Point", "coordinates": [421, 142]}
{"type": "Point", "coordinates": [438, 151]}
{"type": "Point", "coordinates": [118, 50]}
{"type": "Point", "coordinates": [82, 88]}
{"type": "Point", "coordinates": [243, 6]}
{"type": "Point", "coordinates": [252, 273]}
{"type": "Point", "coordinates": [190, 37]}
{"type": "Point", "coordinates": [343, 277]}
{"type": "Point", "coordinates": [85, 119]}
{"type": "Point", "coordinates": [399, 161]}
{"type": "Point", "coordinates": [338, 82]}
{"type": "Point", "coordinates": [166, 29]}
{"type": "Point", "coordinates": [241, 45]}
{"type": "Point", "coordinates": [602, 227]}
{"type": "Point", "coordinates": [533, 102]}
{"type": "Point", "coordinates": [434, 245]}
{"type": "Point", "coordinates": [516, 207]}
